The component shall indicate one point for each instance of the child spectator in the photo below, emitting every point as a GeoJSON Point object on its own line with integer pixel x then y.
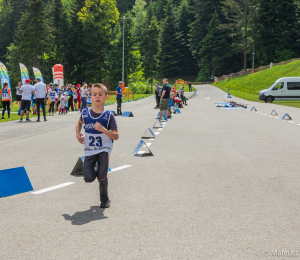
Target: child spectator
{"type": "Point", "coordinates": [61, 103]}
{"type": "Point", "coordinates": [66, 102]}
{"type": "Point", "coordinates": [52, 95]}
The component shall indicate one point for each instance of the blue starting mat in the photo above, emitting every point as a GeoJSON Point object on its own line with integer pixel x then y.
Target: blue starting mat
{"type": "Point", "coordinates": [220, 104]}
{"type": "Point", "coordinates": [232, 108]}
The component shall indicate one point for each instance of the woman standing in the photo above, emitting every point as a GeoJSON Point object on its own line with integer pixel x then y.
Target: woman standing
{"type": "Point", "coordinates": [83, 97]}
{"type": "Point", "coordinates": [5, 93]}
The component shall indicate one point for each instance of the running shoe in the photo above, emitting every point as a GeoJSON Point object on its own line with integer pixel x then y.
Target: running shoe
{"type": "Point", "coordinates": [28, 120]}
{"type": "Point", "coordinates": [105, 204]}
{"type": "Point", "coordinates": [21, 119]}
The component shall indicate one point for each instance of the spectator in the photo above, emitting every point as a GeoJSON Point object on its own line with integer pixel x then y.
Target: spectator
{"type": "Point", "coordinates": [70, 100]}
{"type": "Point", "coordinates": [26, 91]}
{"type": "Point", "coordinates": [165, 99]}
{"type": "Point", "coordinates": [158, 90]}
{"type": "Point", "coordinates": [83, 97]}
{"type": "Point", "coordinates": [6, 99]}
{"type": "Point", "coordinates": [119, 96]}
{"type": "Point", "coordinates": [40, 92]}
{"type": "Point", "coordinates": [79, 96]}
{"type": "Point", "coordinates": [190, 86]}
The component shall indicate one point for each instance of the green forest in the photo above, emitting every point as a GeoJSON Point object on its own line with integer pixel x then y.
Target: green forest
{"type": "Point", "coordinates": [163, 38]}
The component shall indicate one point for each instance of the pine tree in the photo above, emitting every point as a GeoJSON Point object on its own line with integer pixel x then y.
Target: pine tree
{"type": "Point", "coordinates": [213, 50]}
{"type": "Point", "coordinates": [33, 39]}
{"type": "Point", "coordinates": [171, 43]}
{"type": "Point", "coordinates": [77, 53]}
{"type": "Point", "coordinates": [278, 31]}
{"type": "Point", "coordinates": [189, 64]}
{"type": "Point", "coordinates": [61, 44]}
{"type": "Point", "coordinates": [202, 11]}
{"type": "Point", "coordinates": [150, 44]}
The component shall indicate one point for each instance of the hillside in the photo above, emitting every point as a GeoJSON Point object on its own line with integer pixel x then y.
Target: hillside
{"type": "Point", "coordinates": [247, 87]}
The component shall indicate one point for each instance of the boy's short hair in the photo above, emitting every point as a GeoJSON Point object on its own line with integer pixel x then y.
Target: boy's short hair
{"type": "Point", "coordinates": [100, 85]}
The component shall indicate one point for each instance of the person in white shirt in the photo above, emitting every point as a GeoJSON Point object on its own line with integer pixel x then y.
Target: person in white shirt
{"type": "Point", "coordinates": [41, 92]}
{"type": "Point", "coordinates": [26, 90]}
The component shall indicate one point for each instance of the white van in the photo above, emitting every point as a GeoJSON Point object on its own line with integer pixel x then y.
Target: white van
{"type": "Point", "coordinates": [283, 89]}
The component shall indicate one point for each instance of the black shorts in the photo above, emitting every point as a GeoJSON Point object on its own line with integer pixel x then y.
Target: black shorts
{"type": "Point", "coordinates": [25, 104]}
{"type": "Point", "coordinates": [75, 100]}
{"type": "Point", "coordinates": [34, 101]}
{"type": "Point", "coordinates": [18, 97]}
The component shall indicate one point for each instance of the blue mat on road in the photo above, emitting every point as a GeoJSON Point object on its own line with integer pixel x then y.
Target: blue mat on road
{"type": "Point", "coordinates": [232, 108]}
{"type": "Point", "coordinates": [217, 104]}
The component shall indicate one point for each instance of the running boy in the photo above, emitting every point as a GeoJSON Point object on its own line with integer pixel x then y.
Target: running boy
{"type": "Point", "coordinates": [100, 131]}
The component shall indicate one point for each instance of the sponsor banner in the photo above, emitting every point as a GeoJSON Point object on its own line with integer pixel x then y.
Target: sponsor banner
{"type": "Point", "coordinates": [24, 73]}
{"type": "Point", "coordinates": [37, 74]}
{"type": "Point", "coordinates": [4, 75]}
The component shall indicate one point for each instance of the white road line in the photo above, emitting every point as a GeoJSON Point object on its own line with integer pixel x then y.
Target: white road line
{"type": "Point", "coordinates": [159, 129]}
{"type": "Point", "coordinates": [270, 116]}
{"type": "Point", "coordinates": [291, 122]}
{"type": "Point", "coordinates": [298, 124]}
{"type": "Point", "coordinates": [148, 144]}
{"type": "Point", "coordinates": [121, 167]}
{"type": "Point", "coordinates": [265, 114]}
{"type": "Point", "coordinates": [157, 133]}
{"type": "Point", "coordinates": [151, 139]}
{"type": "Point", "coordinates": [53, 188]}
{"type": "Point", "coordinates": [276, 117]}
{"type": "Point", "coordinates": [260, 113]}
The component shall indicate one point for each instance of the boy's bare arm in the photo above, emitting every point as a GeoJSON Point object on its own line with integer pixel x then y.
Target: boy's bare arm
{"type": "Point", "coordinates": [78, 130]}
{"type": "Point", "coordinates": [113, 134]}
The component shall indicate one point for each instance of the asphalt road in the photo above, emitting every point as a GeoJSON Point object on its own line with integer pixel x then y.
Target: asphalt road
{"type": "Point", "coordinates": [222, 184]}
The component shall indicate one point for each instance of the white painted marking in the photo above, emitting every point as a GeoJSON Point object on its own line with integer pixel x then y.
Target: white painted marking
{"type": "Point", "coordinates": [291, 122]}
{"type": "Point", "coordinates": [265, 114]}
{"type": "Point", "coordinates": [159, 129]}
{"type": "Point", "coordinates": [53, 188]}
{"type": "Point", "coordinates": [164, 123]}
{"type": "Point", "coordinates": [151, 139]}
{"type": "Point", "coordinates": [148, 144]}
{"type": "Point", "coordinates": [270, 116]}
{"type": "Point", "coordinates": [157, 133]}
{"type": "Point", "coordinates": [256, 112]}
{"type": "Point", "coordinates": [276, 117]}
{"type": "Point", "coordinates": [140, 152]}
{"type": "Point", "coordinates": [120, 168]}
{"type": "Point", "coordinates": [260, 113]}
{"type": "Point", "coordinates": [298, 124]}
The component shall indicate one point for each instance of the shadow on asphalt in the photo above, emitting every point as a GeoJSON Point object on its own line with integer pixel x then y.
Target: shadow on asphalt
{"type": "Point", "coordinates": [85, 217]}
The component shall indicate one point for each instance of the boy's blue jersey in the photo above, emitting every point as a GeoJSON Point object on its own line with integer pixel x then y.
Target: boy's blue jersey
{"type": "Point", "coordinates": [94, 141]}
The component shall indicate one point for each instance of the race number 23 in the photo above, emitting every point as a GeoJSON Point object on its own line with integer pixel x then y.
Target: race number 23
{"type": "Point", "coordinates": [95, 141]}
